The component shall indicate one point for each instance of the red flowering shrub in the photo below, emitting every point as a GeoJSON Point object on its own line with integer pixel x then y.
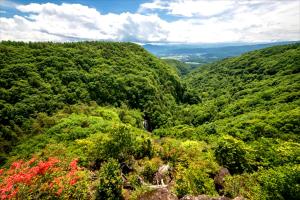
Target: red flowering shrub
{"type": "Point", "coordinates": [72, 174]}
{"type": "Point", "coordinates": [51, 178]}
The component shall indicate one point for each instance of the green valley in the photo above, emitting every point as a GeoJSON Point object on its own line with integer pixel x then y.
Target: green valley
{"type": "Point", "coordinates": [108, 120]}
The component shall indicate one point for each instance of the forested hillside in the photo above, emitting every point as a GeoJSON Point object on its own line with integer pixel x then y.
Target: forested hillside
{"type": "Point", "coordinates": [73, 118]}
{"type": "Point", "coordinates": [259, 89]}
{"type": "Point", "coordinates": [180, 67]}
{"type": "Point", "coordinates": [43, 77]}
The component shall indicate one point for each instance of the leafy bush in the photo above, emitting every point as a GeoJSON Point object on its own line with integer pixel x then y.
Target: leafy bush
{"type": "Point", "coordinates": [194, 181]}
{"type": "Point", "coordinates": [150, 168]}
{"type": "Point", "coordinates": [281, 183]}
{"type": "Point", "coordinates": [271, 152]}
{"type": "Point", "coordinates": [110, 183]}
{"type": "Point", "coordinates": [277, 183]}
{"type": "Point", "coordinates": [232, 154]}
{"type": "Point", "coordinates": [121, 145]}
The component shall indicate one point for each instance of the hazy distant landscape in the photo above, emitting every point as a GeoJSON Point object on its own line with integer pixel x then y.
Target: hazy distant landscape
{"type": "Point", "coordinates": [150, 100]}
{"type": "Point", "coordinates": [204, 53]}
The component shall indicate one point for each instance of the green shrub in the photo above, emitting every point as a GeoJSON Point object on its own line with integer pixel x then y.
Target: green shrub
{"type": "Point", "coordinates": [277, 183]}
{"type": "Point", "coordinates": [121, 145]}
{"type": "Point", "coordinates": [245, 185]}
{"type": "Point", "coordinates": [150, 168]}
{"type": "Point", "coordinates": [193, 181]}
{"type": "Point", "coordinates": [271, 152]}
{"type": "Point", "coordinates": [144, 148]}
{"type": "Point", "coordinates": [231, 153]}
{"type": "Point", "coordinates": [110, 183]}
{"type": "Point", "coordinates": [281, 183]}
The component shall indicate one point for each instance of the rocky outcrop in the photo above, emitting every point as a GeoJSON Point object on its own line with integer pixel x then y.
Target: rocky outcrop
{"type": "Point", "coordinates": [158, 194]}
{"type": "Point", "coordinates": [239, 198]}
{"type": "Point", "coordinates": [162, 179]}
{"type": "Point", "coordinates": [204, 197]}
{"type": "Point", "coordinates": [163, 193]}
{"type": "Point", "coordinates": [220, 179]}
{"type": "Point", "coordinates": [162, 176]}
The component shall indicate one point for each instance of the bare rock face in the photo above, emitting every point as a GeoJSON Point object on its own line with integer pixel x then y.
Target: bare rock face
{"type": "Point", "coordinates": [164, 194]}
{"type": "Point", "coordinates": [220, 178]}
{"type": "Point", "coordinates": [162, 176]}
{"type": "Point", "coordinates": [239, 198]}
{"type": "Point", "coordinates": [221, 198]}
{"type": "Point", "coordinates": [204, 197]}
{"type": "Point", "coordinates": [200, 197]}
{"type": "Point", "coordinates": [158, 194]}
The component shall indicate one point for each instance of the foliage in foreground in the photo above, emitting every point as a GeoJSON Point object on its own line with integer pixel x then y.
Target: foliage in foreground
{"type": "Point", "coordinates": [51, 178]}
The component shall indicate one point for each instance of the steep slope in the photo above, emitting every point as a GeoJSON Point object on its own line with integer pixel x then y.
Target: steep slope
{"type": "Point", "coordinates": [181, 67]}
{"type": "Point", "coordinates": [254, 95]}
{"type": "Point", "coordinates": [43, 77]}
{"type": "Point", "coordinates": [237, 73]}
{"type": "Point", "coordinates": [250, 115]}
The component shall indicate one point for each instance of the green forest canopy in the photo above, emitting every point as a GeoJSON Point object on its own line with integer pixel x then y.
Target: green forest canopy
{"type": "Point", "coordinates": [87, 101]}
{"type": "Point", "coordinates": [43, 77]}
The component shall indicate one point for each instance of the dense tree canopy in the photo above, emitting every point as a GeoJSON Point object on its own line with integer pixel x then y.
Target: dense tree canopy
{"type": "Point", "coordinates": [251, 96]}
{"type": "Point", "coordinates": [72, 115]}
{"type": "Point", "coordinates": [43, 77]}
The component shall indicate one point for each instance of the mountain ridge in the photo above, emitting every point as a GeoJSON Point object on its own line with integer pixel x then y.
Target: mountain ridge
{"type": "Point", "coordinates": [202, 54]}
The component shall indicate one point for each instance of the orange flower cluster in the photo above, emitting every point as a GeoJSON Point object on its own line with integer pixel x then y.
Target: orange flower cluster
{"type": "Point", "coordinates": [72, 174]}
{"type": "Point", "coordinates": [71, 177]}
{"type": "Point", "coordinates": [20, 172]}
{"type": "Point", "coordinates": [26, 173]}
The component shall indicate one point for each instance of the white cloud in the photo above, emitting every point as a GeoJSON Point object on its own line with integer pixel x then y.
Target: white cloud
{"type": "Point", "coordinates": [156, 4]}
{"type": "Point", "coordinates": [189, 8]}
{"type": "Point", "coordinates": [201, 22]}
{"type": "Point", "coordinates": [229, 21]}
{"type": "Point", "coordinates": [74, 21]}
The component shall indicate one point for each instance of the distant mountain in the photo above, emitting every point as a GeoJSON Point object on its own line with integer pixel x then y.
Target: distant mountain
{"type": "Point", "coordinates": [205, 53]}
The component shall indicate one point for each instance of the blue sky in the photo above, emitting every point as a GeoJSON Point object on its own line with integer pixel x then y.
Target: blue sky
{"type": "Point", "coordinates": [155, 21]}
{"type": "Point", "coordinates": [104, 6]}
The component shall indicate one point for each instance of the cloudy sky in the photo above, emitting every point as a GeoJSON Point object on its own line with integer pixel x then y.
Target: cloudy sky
{"type": "Point", "coordinates": [158, 21]}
